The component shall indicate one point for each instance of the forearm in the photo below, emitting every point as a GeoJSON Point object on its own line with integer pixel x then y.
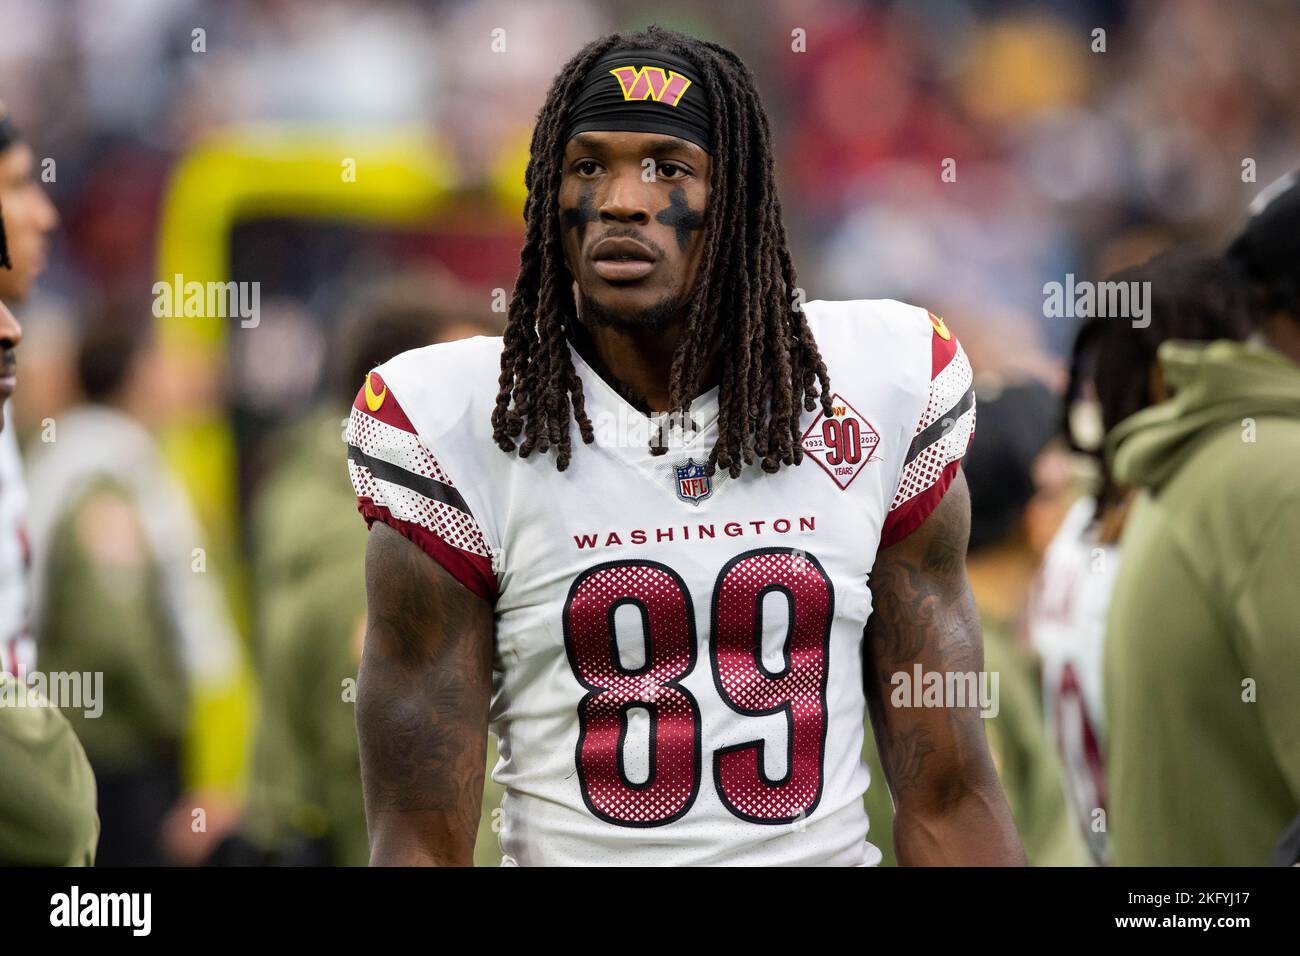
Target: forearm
{"type": "Point", "coordinates": [974, 829]}
{"type": "Point", "coordinates": [419, 839]}
{"type": "Point", "coordinates": [423, 740]}
{"type": "Point", "coordinates": [423, 693]}
{"type": "Point", "coordinates": [950, 805]}
{"type": "Point", "coordinates": [950, 809]}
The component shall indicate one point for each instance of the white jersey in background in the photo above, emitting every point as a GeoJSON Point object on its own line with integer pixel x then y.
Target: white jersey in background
{"type": "Point", "coordinates": [1067, 625]}
{"type": "Point", "coordinates": [678, 673]}
{"type": "Point", "coordinates": [17, 651]}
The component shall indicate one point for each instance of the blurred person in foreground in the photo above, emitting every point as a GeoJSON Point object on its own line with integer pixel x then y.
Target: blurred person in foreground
{"type": "Point", "coordinates": [1202, 656]}
{"type": "Point", "coordinates": [47, 789]}
{"type": "Point", "coordinates": [29, 219]}
{"type": "Point", "coordinates": [666, 621]}
{"type": "Point", "coordinates": [305, 803]}
{"type": "Point", "coordinates": [1013, 508]}
{"type": "Point", "coordinates": [1113, 374]}
{"type": "Point", "coordinates": [121, 587]}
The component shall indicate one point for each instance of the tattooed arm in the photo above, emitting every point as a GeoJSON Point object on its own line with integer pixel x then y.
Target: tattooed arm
{"type": "Point", "coordinates": [422, 707]}
{"type": "Point", "coordinates": [950, 808]}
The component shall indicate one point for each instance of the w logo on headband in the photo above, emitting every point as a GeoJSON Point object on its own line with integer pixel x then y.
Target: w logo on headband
{"type": "Point", "coordinates": [651, 83]}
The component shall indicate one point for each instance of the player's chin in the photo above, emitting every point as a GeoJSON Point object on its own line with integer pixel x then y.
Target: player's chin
{"type": "Point", "coordinates": [627, 305]}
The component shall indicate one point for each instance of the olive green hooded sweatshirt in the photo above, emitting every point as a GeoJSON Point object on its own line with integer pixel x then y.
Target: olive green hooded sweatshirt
{"type": "Point", "coordinates": [1202, 669]}
{"type": "Point", "coordinates": [47, 789]}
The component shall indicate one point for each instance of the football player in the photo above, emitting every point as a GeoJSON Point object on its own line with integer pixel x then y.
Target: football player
{"type": "Point", "coordinates": [30, 218]}
{"type": "Point", "coordinates": [665, 626]}
{"type": "Point", "coordinates": [1113, 374]}
{"type": "Point", "coordinates": [47, 790]}
{"type": "Point", "coordinates": [11, 333]}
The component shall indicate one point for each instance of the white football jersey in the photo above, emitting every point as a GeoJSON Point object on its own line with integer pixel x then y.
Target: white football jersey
{"type": "Point", "coordinates": [678, 673]}
{"type": "Point", "coordinates": [1067, 625]}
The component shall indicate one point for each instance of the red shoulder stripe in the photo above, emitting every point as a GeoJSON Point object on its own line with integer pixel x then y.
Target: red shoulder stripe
{"type": "Point", "coordinates": [472, 570]}
{"type": "Point", "coordinates": [910, 515]}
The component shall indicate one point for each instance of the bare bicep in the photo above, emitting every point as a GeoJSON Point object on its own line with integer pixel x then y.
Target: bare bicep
{"type": "Point", "coordinates": [415, 607]}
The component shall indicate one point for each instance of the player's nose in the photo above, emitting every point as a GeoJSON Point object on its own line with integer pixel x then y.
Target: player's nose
{"type": "Point", "coordinates": [47, 214]}
{"type": "Point", "coordinates": [11, 333]}
{"type": "Point", "coordinates": [626, 201]}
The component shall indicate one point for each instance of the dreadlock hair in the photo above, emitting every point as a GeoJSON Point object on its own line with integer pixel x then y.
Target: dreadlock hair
{"type": "Point", "coordinates": [742, 303]}
{"type": "Point", "coordinates": [1193, 296]}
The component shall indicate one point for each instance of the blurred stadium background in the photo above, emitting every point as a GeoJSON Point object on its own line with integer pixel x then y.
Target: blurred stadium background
{"type": "Point", "coordinates": [225, 155]}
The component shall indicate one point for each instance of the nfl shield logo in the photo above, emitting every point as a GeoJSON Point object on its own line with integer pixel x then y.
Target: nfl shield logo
{"type": "Point", "coordinates": [693, 484]}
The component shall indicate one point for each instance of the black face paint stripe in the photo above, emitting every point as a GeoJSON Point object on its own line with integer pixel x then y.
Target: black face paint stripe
{"type": "Point", "coordinates": [583, 214]}
{"type": "Point", "coordinates": [681, 217]}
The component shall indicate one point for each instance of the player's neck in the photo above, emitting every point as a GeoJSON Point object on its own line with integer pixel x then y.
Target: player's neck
{"type": "Point", "coordinates": [637, 363]}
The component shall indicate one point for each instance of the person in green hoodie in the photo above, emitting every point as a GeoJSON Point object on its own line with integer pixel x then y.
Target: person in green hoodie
{"type": "Point", "coordinates": [1016, 423]}
{"type": "Point", "coordinates": [1202, 656]}
{"type": "Point", "coordinates": [1113, 375]}
{"type": "Point", "coordinates": [305, 805]}
{"type": "Point", "coordinates": [47, 789]}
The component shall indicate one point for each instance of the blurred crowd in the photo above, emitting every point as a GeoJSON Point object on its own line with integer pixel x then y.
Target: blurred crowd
{"type": "Point", "coordinates": [1073, 153]}
{"type": "Point", "coordinates": [1067, 158]}
{"type": "Point", "coordinates": [958, 154]}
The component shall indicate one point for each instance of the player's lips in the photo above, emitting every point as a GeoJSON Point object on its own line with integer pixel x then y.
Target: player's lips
{"type": "Point", "coordinates": [621, 259]}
